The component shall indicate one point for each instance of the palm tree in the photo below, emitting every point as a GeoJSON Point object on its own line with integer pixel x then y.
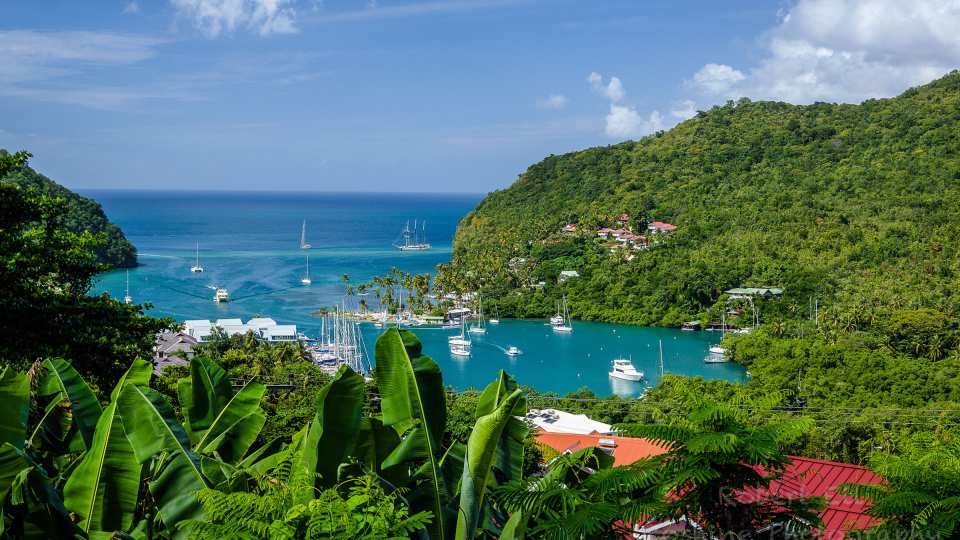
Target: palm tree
{"type": "Point", "coordinates": [922, 495]}
{"type": "Point", "coordinates": [713, 456]}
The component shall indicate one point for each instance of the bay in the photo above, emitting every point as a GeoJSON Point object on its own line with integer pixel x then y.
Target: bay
{"type": "Point", "coordinates": [249, 243]}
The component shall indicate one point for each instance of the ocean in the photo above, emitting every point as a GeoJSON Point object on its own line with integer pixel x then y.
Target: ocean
{"type": "Point", "coordinates": [249, 242]}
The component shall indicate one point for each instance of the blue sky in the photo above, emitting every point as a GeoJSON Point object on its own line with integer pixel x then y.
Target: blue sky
{"type": "Point", "coordinates": [417, 95]}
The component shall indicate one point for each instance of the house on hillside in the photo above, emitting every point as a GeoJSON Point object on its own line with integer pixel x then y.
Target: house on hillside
{"type": "Point", "coordinates": [623, 220]}
{"type": "Point", "coordinates": [608, 233]}
{"type": "Point", "coordinates": [803, 477]}
{"type": "Point", "coordinates": [659, 227]}
{"type": "Point", "coordinates": [556, 421]}
{"type": "Point", "coordinates": [567, 274]}
{"type": "Point", "coordinates": [172, 348]}
{"type": "Point", "coordinates": [754, 292]}
{"type": "Point", "coordinates": [569, 228]}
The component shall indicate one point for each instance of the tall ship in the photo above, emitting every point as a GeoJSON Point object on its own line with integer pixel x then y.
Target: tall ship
{"type": "Point", "coordinates": [414, 240]}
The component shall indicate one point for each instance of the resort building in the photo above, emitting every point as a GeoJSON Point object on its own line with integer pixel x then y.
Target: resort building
{"type": "Point", "coordinates": [567, 274]}
{"type": "Point", "coordinates": [608, 233]}
{"type": "Point", "coordinates": [555, 421]}
{"type": "Point", "coordinates": [264, 328]}
{"type": "Point", "coordinates": [172, 348]}
{"type": "Point", "coordinates": [754, 292]}
{"type": "Point", "coordinates": [803, 477]}
{"type": "Point", "coordinates": [659, 227]}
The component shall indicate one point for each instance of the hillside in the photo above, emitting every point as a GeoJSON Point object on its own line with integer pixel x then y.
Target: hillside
{"type": "Point", "coordinates": [83, 214]}
{"type": "Point", "coordinates": [855, 205]}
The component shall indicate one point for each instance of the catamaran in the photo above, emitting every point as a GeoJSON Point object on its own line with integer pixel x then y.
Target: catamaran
{"type": "Point", "coordinates": [303, 236]}
{"type": "Point", "coordinates": [306, 277]}
{"type": "Point", "coordinates": [411, 240]}
{"type": "Point", "coordinates": [478, 327]}
{"type": "Point", "coordinates": [624, 369]}
{"type": "Point", "coordinates": [196, 268]}
{"type": "Point", "coordinates": [563, 325]}
{"type": "Point", "coordinates": [127, 299]}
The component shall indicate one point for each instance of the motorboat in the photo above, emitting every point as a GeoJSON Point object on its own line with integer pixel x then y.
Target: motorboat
{"type": "Point", "coordinates": [221, 295]}
{"type": "Point", "coordinates": [624, 369]}
{"type": "Point", "coordinates": [513, 351]}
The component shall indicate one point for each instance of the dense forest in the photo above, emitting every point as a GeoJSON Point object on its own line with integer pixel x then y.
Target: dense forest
{"type": "Point", "coordinates": [851, 205]}
{"type": "Point", "coordinates": [82, 215]}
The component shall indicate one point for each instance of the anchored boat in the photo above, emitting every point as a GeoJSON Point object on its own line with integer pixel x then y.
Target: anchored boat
{"type": "Point", "coordinates": [415, 240]}
{"type": "Point", "coordinates": [196, 268]}
{"type": "Point", "coordinates": [624, 369]}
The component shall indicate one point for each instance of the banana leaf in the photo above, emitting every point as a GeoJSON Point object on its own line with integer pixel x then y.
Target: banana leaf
{"type": "Point", "coordinates": [76, 429]}
{"type": "Point", "coordinates": [509, 454]}
{"type": "Point", "coordinates": [15, 404]}
{"type": "Point", "coordinates": [331, 435]}
{"type": "Point", "coordinates": [374, 443]}
{"type": "Point", "coordinates": [203, 395]}
{"type": "Point", "coordinates": [103, 488]}
{"type": "Point", "coordinates": [477, 467]}
{"type": "Point", "coordinates": [154, 432]}
{"type": "Point", "coordinates": [236, 426]}
{"type": "Point", "coordinates": [413, 403]}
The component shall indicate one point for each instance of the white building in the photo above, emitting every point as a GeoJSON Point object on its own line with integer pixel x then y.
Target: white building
{"type": "Point", "coordinates": [264, 328]}
{"type": "Point", "coordinates": [555, 421]}
{"type": "Point", "coordinates": [568, 274]}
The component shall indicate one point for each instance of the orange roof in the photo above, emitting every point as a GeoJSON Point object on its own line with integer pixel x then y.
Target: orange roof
{"type": "Point", "coordinates": [627, 451]}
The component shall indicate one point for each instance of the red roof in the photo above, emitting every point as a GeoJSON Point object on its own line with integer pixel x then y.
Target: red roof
{"type": "Point", "coordinates": [662, 226]}
{"type": "Point", "coordinates": [623, 217]}
{"type": "Point", "coordinates": [804, 477]}
{"type": "Point", "coordinates": [627, 451]}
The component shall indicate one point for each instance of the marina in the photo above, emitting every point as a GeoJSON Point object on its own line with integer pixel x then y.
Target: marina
{"type": "Point", "coordinates": [253, 278]}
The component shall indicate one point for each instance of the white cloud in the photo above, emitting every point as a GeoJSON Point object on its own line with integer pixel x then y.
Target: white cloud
{"type": "Point", "coordinates": [845, 50]}
{"type": "Point", "coordinates": [624, 122]}
{"type": "Point", "coordinates": [131, 8]}
{"type": "Point", "coordinates": [553, 101]}
{"type": "Point", "coordinates": [684, 110]}
{"type": "Point", "coordinates": [613, 90]}
{"type": "Point", "coordinates": [40, 66]}
{"type": "Point", "coordinates": [717, 78]}
{"type": "Point", "coordinates": [216, 17]}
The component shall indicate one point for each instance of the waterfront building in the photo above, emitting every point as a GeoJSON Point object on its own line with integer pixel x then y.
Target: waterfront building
{"type": "Point", "coordinates": [264, 328]}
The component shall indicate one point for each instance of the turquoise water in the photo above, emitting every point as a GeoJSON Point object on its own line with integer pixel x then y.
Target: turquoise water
{"type": "Point", "coordinates": [249, 243]}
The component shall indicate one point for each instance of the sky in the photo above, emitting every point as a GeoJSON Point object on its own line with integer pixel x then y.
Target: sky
{"type": "Point", "coordinates": [417, 95]}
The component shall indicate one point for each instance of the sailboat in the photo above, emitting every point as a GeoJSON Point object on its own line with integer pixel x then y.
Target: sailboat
{"type": "Point", "coordinates": [717, 354]}
{"type": "Point", "coordinates": [557, 320]}
{"type": "Point", "coordinates": [303, 236]}
{"type": "Point", "coordinates": [496, 316]}
{"type": "Point", "coordinates": [564, 325]}
{"type": "Point", "coordinates": [478, 327]}
{"type": "Point", "coordinates": [306, 277]}
{"type": "Point", "coordinates": [196, 268]}
{"type": "Point", "coordinates": [411, 241]}
{"type": "Point", "coordinates": [127, 299]}
{"type": "Point", "coordinates": [460, 345]}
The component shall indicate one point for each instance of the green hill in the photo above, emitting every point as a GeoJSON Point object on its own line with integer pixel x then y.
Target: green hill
{"type": "Point", "coordinates": [854, 205]}
{"type": "Point", "coordinates": [83, 214]}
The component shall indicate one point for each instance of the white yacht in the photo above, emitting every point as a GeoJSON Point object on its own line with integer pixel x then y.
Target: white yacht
{"type": "Point", "coordinates": [513, 351]}
{"type": "Point", "coordinates": [716, 355]}
{"type": "Point", "coordinates": [196, 268]}
{"type": "Point", "coordinates": [460, 340]}
{"type": "Point", "coordinates": [221, 295]}
{"type": "Point", "coordinates": [306, 277]}
{"type": "Point", "coordinates": [624, 369]}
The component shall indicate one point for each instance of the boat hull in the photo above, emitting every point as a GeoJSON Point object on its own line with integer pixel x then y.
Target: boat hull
{"type": "Point", "coordinates": [626, 376]}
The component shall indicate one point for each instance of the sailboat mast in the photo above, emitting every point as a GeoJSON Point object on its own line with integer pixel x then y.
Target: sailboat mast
{"type": "Point", "coordinates": [661, 359]}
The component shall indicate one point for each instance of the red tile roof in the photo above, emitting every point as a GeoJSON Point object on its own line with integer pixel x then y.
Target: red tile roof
{"type": "Point", "coordinates": [804, 477]}
{"type": "Point", "coordinates": [627, 451]}
{"type": "Point", "coordinates": [662, 226]}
